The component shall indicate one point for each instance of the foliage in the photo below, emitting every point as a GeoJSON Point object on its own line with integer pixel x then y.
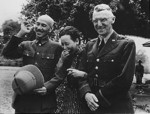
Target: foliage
{"type": "Point", "coordinates": [65, 12]}
{"type": "Point", "coordinates": [9, 28]}
{"type": "Point", "coordinates": [132, 15]}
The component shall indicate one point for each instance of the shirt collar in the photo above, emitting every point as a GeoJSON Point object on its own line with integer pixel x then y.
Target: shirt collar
{"type": "Point", "coordinates": [106, 38]}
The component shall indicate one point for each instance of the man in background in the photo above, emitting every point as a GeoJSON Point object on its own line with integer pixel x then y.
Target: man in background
{"type": "Point", "coordinates": [139, 71]}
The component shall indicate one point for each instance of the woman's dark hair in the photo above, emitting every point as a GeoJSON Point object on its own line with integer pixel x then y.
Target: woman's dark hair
{"type": "Point", "coordinates": [72, 31]}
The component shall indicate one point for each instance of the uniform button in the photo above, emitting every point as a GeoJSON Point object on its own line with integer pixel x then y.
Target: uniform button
{"type": "Point", "coordinates": [97, 60]}
{"type": "Point", "coordinates": [47, 57]}
{"type": "Point", "coordinates": [36, 63]}
{"type": "Point", "coordinates": [39, 44]}
{"type": "Point", "coordinates": [27, 54]}
{"type": "Point", "coordinates": [37, 53]}
{"type": "Point", "coordinates": [96, 67]}
{"type": "Point", "coordinates": [96, 75]}
{"type": "Point", "coordinates": [112, 60]}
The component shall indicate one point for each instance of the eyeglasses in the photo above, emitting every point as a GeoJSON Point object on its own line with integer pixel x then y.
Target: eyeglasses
{"type": "Point", "coordinates": [102, 20]}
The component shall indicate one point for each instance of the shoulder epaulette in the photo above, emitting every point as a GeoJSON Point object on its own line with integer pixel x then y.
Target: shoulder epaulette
{"type": "Point", "coordinates": [122, 36]}
{"type": "Point", "coordinates": [125, 38]}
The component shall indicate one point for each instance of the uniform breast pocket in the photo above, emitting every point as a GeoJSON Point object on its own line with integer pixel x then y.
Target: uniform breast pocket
{"type": "Point", "coordinates": [28, 57]}
{"type": "Point", "coordinates": [28, 54]}
{"type": "Point", "coordinates": [47, 60]}
{"type": "Point", "coordinates": [111, 58]}
{"type": "Point", "coordinates": [111, 62]}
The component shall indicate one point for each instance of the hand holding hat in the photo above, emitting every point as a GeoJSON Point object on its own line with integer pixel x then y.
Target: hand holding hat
{"type": "Point", "coordinates": [41, 90]}
{"type": "Point", "coordinates": [27, 79]}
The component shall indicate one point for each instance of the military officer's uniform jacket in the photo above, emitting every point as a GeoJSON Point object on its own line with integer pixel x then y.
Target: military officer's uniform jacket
{"type": "Point", "coordinates": [45, 55]}
{"type": "Point", "coordinates": [110, 73]}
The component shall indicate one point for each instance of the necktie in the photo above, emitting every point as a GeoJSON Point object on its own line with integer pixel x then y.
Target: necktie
{"type": "Point", "coordinates": [101, 45]}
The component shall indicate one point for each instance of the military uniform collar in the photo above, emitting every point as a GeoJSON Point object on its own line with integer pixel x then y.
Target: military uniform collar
{"type": "Point", "coordinates": [106, 38]}
{"type": "Point", "coordinates": [42, 41]}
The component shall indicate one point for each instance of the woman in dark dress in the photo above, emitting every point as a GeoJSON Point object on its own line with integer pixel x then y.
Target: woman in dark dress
{"type": "Point", "coordinates": [67, 93]}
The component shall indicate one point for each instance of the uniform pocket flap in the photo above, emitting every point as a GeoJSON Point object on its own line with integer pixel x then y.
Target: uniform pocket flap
{"type": "Point", "coordinates": [28, 53]}
{"type": "Point", "coordinates": [47, 56]}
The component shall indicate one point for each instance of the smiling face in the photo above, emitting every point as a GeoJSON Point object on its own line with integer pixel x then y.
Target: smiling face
{"type": "Point", "coordinates": [68, 44]}
{"type": "Point", "coordinates": [70, 38]}
{"type": "Point", "coordinates": [103, 21]}
{"type": "Point", "coordinates": [43, 26]}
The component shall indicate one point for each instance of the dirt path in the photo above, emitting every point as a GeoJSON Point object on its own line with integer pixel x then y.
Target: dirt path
{"type": "Point", "coordinates": [6, 76]}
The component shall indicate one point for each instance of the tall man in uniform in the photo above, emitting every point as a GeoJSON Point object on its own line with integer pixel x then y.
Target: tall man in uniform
{"type": "Point", "coordinates": [42, 52]}
{"type": "Point", "coordinates": [109, 62]}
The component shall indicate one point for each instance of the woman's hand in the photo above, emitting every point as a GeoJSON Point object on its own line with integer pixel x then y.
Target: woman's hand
{"type": "Point", "coordinates": [76, 73]}
{"type": "Point", "coordinates": [64, 55]}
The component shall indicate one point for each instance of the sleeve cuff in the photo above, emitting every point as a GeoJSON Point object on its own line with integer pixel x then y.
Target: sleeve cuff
{"type": "Point", "coordinates": [16, 39]}
{"type": "Point", "coordinates": [102, 100]}
{"type": "Point", "coordinates": [84, 89]}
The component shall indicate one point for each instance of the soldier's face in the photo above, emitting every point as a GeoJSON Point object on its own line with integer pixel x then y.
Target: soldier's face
{"type": "Point", "coordinates": [102, 22]}
{"type": "Point", "coordinates": [68, 44]}
{"type": "Point", "coordinates": [41, 28]}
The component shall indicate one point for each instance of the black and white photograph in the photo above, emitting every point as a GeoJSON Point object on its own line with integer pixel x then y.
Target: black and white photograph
{"type": "Point", "coordinates": [75, 56]}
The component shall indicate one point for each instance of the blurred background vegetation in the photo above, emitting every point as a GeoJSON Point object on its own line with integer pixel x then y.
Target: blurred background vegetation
{"type": "Point", "coordinates": [132, 16]}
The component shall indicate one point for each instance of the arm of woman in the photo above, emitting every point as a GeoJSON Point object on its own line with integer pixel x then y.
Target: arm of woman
{"type": "Point", "coordinates": [76, 73]}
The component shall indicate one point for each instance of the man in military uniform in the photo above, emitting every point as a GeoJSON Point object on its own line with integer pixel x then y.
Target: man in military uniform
{"type": "Point", "coordinates": [109, 62]}
{"type": "Point", "coordinates": [139, 71]}
{"type": "Point", "coordinates": [43, 53]}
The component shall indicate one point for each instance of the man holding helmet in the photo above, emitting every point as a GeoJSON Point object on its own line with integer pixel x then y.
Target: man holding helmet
{"type": "Point", "coordinates": [43, 53]}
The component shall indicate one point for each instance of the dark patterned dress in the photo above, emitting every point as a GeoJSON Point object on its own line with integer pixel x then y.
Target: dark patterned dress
{"type": "Point", "coordinates": [68, 100]}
